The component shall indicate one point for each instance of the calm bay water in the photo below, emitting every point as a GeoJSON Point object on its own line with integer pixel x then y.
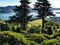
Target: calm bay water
{"type": "Point", "coordinates": [6, 16]}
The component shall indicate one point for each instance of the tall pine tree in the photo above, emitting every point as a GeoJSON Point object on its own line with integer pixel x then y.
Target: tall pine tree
{"type": "Point", "coordinates": [22, 12]}
{"type": "Point", "coordinates": [44, 9]}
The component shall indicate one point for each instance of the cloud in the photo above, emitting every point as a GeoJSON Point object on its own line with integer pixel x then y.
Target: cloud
{"type": "Point", "coordinates": [54, 3]}
{"type": "Point", "coordinates": [6, 4]}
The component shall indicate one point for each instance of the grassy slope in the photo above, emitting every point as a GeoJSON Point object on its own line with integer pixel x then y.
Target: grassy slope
{"type": "Point", "coordinates": [35, 22]}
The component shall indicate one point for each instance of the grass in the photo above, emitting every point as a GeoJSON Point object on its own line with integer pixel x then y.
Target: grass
{"type": "Point", "coordinates": [1, 21]}
{"type": "Point", "coordinates": [35, 23]}
{"type": "Point", "coordinates": [30, 24]}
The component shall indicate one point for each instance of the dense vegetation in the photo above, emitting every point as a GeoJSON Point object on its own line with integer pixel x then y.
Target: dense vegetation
{"type": "Point", "coordinates": [11, 34]}
{"type": "Point", "coordinates": [43, 8]}
{"type": "Point", "coordinates": [20, 30]}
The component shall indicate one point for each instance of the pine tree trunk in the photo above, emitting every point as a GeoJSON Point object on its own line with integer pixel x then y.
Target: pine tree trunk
{"type": "Point", "coordinates": [43, 19]}
{"type": "Point", "coordinates": [23, 27]}
{"type": "Point", "coordinates": [43, 24]}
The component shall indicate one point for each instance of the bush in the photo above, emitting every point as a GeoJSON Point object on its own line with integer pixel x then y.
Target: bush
{"type": "Point", "coordinates": [48, 29]}
{"type": "Point", "coordinates": [54, 36]}
{"type": "Point", "coordinates": [13, 38]}
{"type": "Point", "coordinates": [4, 26]}
{"type": "Point", "coordinates": [48, 36]}
{"type": "Point", "coordinates": [47, 22]}
{"type": "Point", "coordinates": [58, 30]}
{"type": "Point", "coordinates": [50, 42]}
{"type": "Point", "coordinates": [18, 29]}
{"type": "Point", "coordinates": [36, 37]}
{"type": "Point", "coordinates": [34, 29]}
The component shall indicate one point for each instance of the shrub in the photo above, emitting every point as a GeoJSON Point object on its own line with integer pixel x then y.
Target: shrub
{"type": "Point", "coordinates": [13, 29]}
{"type": "Point", "coordinates": [18, 29]}
{"type": "Point", "coordinates": [36, 37]}
{"type": "Point", "coordinates": [57, 25]}
{"type": "Point", "coordinates": [47, 36]}
{"type": "Point", "coordinates": [54, 36]}
{"type": "Point", "coordinates": [47, 22]}
{"type": "Point", "coordinates": [4, 26]}
{"type": "Point", "coordinates": [34, 29]}
{"type": "Point", "coordinates": [50, 42]}
{"type": "Point", "coordinates": [13, 38]}
{"type": "Point", "coordinates": [58, 30]}
{"type": "Point", "coordinates": [48, 29]}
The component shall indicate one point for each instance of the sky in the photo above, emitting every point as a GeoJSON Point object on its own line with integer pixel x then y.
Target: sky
{"type": "Point", "coordinates": [54, 3]}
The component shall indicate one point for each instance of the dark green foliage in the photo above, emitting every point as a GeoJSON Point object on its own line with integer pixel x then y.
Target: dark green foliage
{"type": "Point", "coordinates": [13, 29]}
{"type": "Point", "coordinates": [36, 37]}
{"type": "Point", "coordinates": [8, 37]}
{"type": "Point", "coordinates": [18, 30]}
{"type": "Point", "coordinates": [57, 25]}
{"type": "Point", "coordinates": [56, 35]}
{"type": "Point", "coordinates": [22, 12]}
{"type": "Point", "coordinates": [54, 28]}
{"type": "Point", "coordinates": [43, 8]}
{"type": "Point", "coordinates": [47, 36]}
{"type": "Point", "coordinates": [50, 42]}
{"type": "Point", "coordinates": [49, 23]}
{"type": "Point", "coordinates": [49, 30]}
{"type": "Point", "coordinates": [33, 43]}
{"type": "Point", "coordinates": [14, 38]}
{"type": "Point", "coordinates": [4, 27]}
{"type": "Point", "coordinates": [35, 29]}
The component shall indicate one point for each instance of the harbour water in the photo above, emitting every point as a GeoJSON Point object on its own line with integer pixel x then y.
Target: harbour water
{"type": "Point", "coordinates": [6, 16]}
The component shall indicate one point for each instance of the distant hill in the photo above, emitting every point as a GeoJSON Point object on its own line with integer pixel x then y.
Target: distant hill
{"type": "Point", "coordinates": [55, 19]}
{"type": "Point", "coordinates": [6, 9]}
{"type": "Point", "coordinates": [55, 8]}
